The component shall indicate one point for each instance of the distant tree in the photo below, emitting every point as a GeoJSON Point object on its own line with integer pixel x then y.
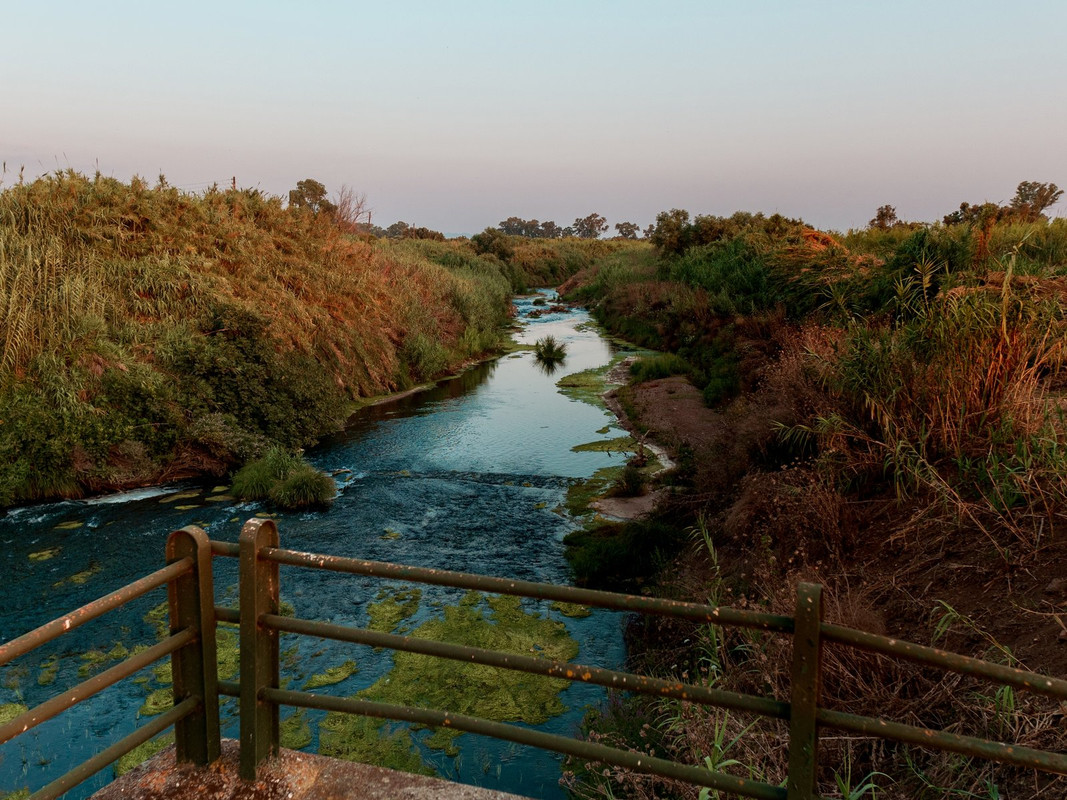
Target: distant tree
{"type": "Point", "coordinates": [550, 230]}
{"type": "Point", "coordinates": [351, 210]}
{"type": "Point", "coordinates": [1032, 198]}
{"type": "Point", "coordinates": [627, 230]}
{"type": "Point", "coordinates": [494, 242]}
{"type": "Point", "coordinates": [647, 233]}
{"type": "Point", "coordinates": [589, 227]}
{"type": "Point", "coordinates": [515, 226]}
{"type": "Point", "coordinates": [672, 232]}
{"type": "Point", "coordinates": [402, 230]}
{"type": "Point", "coordinates": [884, 218]}
{"type": "Point", "coordinates": [311, 194]}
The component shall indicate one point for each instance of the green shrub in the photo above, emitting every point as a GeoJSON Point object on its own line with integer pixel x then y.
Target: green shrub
{"type": "Point", "coordinates": [303, 487]}
{"type": "Point", "coordinates": [657, 367]}
{"type": "Point", "coordinates": [550, 350]}
{"type": "Point", "coordinates": [631, 483]}
{"type": "Point", "coordinates": [618, 554]}
{"type": "Point", "coordinates": [255, 480]}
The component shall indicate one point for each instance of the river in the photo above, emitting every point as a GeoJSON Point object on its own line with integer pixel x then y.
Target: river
{"type": "Point", "coordinates": [470, 475]}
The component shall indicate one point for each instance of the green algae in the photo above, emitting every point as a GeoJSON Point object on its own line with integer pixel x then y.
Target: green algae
{"type": "Point", "coordinates": [333, 675]}
{"type": "Point", "coordinates": [623, 444]}
{"type": "Point", "coordinates": [78, 578]}
{"type": "Point", "coordinates": [70, 525]}
{"type": "Point", "coordinates": [390, 534]}
{"type": "Point", "coordinates": [604, 430]}
{"type": "Point", "coordinates": [571, 609]}
{"type": "Point", "coordinates": [220, 489]}
{"type": "Point", "coordinates": [581, 493]}
{"type": "Point", "coordinates": [18, 794]}
{"type": "Point", "coordinates": [44, 555]}
{"type": "Point", "coordinates": [142, 753]}
{"type": "Point", "coordinates": [295, 731]}
{"type": "Point", "coordinates": [8, 711]}
{"type": "Point", "coordinates": [393, 607]}
{"type": "Point", "coordinates": [93, 660]}
{"type": "Point", "coordinates": [49, 668]}
{"type": "Point", "coordinates": [170, 498]}
{"type": "Point", "coordinates": [221, 498]}
{"type": "Point", "coordinates": [370, 741]}
{"type": "Point", "coordinates": [498, 623]}
{"type": "Point", "coordinates": [187, 507]}
{"type": "Point", "coordinates": [157, 702]}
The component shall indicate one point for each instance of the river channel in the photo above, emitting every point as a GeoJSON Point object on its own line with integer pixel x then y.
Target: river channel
{"type": "Point", "coordinates": [470, 475]}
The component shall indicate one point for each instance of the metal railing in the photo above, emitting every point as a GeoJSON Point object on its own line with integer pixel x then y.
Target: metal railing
{"type": "Point", "coordinates": [195, 714]}
{"type": "Point", "coordinates": [190, 645]}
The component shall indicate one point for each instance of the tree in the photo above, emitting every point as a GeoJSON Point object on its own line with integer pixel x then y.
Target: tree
{"type": "Point", "coordinates": [311, 194]}
{"type": "Point", "coordinates": [627, 230]}
{"type": "Point", "coordinates": [884, 218]}
{"type": "Point", "coordinates": [589, 227]}
{"type": "Point", "coordinates": [673, 231]}
{"type": "Point", "coordinates": [351, 211]}
{"type": "Point", "coordinates": [1032, 198]}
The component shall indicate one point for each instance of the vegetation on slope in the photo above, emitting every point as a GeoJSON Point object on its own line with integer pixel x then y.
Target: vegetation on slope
{"type": "Point", "coordinates": [885, 418]}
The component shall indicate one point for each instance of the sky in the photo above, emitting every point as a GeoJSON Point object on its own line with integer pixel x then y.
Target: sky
{"type": "Point", "coordinates": [456, 115]}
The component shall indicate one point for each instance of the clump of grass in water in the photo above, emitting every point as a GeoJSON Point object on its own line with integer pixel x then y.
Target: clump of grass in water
{"type": "Point", "coordinates": [549, 350]}
{"type": "Point", "coordinates": [285, 479]}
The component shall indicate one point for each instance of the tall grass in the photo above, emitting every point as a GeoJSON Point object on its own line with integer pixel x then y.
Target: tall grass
{"type": "Point", "coordinates": [138, 310]}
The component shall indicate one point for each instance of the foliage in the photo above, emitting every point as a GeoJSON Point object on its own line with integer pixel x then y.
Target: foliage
{"type": "Point", "coordinates": [590, 227]}
{"type": "Point", "coordinates": [152, 333]}
{"type": "Point", "coordinates": [311, 195]}
{"type": "Point", "coordinates": [617, 555]}
{"type": "Point", "coordinates": [550, 350]}
{"type": "Point", "coordinates": [286, 480]}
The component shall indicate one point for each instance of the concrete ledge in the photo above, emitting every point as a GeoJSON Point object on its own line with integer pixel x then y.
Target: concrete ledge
{"type": "Point", "coordinates": [290, 776]}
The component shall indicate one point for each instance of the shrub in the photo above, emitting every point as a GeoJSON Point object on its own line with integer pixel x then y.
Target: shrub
{"type": "Point", "coordinates": [549, 350]}
{"type": "Point", "coordinates": [255, 480]}
{"type": "Point", "coordinates": [657, 367]}
{"type": "Point", "coordinates": [303, 487]}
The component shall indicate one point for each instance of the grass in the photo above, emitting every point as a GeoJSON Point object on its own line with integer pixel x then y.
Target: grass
{"type": "Point", "coordinates": [550, 351]}
{"type": "Point", "coordinates": [286, 480]}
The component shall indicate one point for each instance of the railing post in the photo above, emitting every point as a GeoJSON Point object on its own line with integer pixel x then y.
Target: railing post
{"type": "Point", "coordinates": [804, 693]}
{"type": "Point", "coordinates": [191, 601]}
{"type": "Point", "coordinates": [259, 645]}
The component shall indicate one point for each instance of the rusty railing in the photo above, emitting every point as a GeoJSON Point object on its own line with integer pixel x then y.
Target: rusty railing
{"type": "Point", "coordinates": [190, 645]}
{"type": "Point", "coordinates": [196, 687]}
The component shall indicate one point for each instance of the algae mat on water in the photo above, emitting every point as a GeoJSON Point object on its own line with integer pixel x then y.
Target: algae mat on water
{"type": "Point", "coordinates": [498, 623]}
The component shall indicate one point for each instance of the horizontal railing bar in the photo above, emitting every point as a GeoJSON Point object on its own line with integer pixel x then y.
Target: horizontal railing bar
{"type": "Point", "coordinates": [538, 666]}
{"type": "Point", "coordinates": [229, 549]}
{"type": "Point", "coordinates": [223, 614]}
{"type": "Point", "coordinates": [86, 689]}
{"type": "Point", "coordinates": [116, 751]}
{"type": "Point", "coordinates": [545, 591]}
{"type": "Point", "coordinates": [90, 611]}
{"type": "Point", "coordinates": [534, 738]}
{"type": "Point", "coordinates": [942, 740]}
{"type": "Point", "coordinates": [229, 688]}
{"type": "Point", "coordinates": [953, 662]}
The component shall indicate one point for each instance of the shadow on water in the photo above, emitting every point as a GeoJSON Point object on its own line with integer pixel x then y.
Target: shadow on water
{"type": "Point", "coordinates": [469, 475]}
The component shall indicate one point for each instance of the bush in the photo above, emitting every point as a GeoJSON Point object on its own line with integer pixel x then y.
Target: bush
{"type": "Point", "coordinates": [303, 487]}
{"type": "Point", "coordinates": [550, 350]}
{"type": "Point", "coordinates": [618, 554]}
{"type": "Point", "coordinates": [255, 480]}
{"type": "Point", "coordinates": [657, 367]}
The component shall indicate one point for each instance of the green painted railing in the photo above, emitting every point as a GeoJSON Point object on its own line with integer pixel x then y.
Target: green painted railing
{"type": "Point", "coordinates": [195, 713]}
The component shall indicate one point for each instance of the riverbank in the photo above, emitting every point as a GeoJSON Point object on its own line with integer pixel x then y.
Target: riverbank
{"type": "Point", "coordinates": [154, 335]}
{"type": "Point", "coordinates": [783, 478]}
